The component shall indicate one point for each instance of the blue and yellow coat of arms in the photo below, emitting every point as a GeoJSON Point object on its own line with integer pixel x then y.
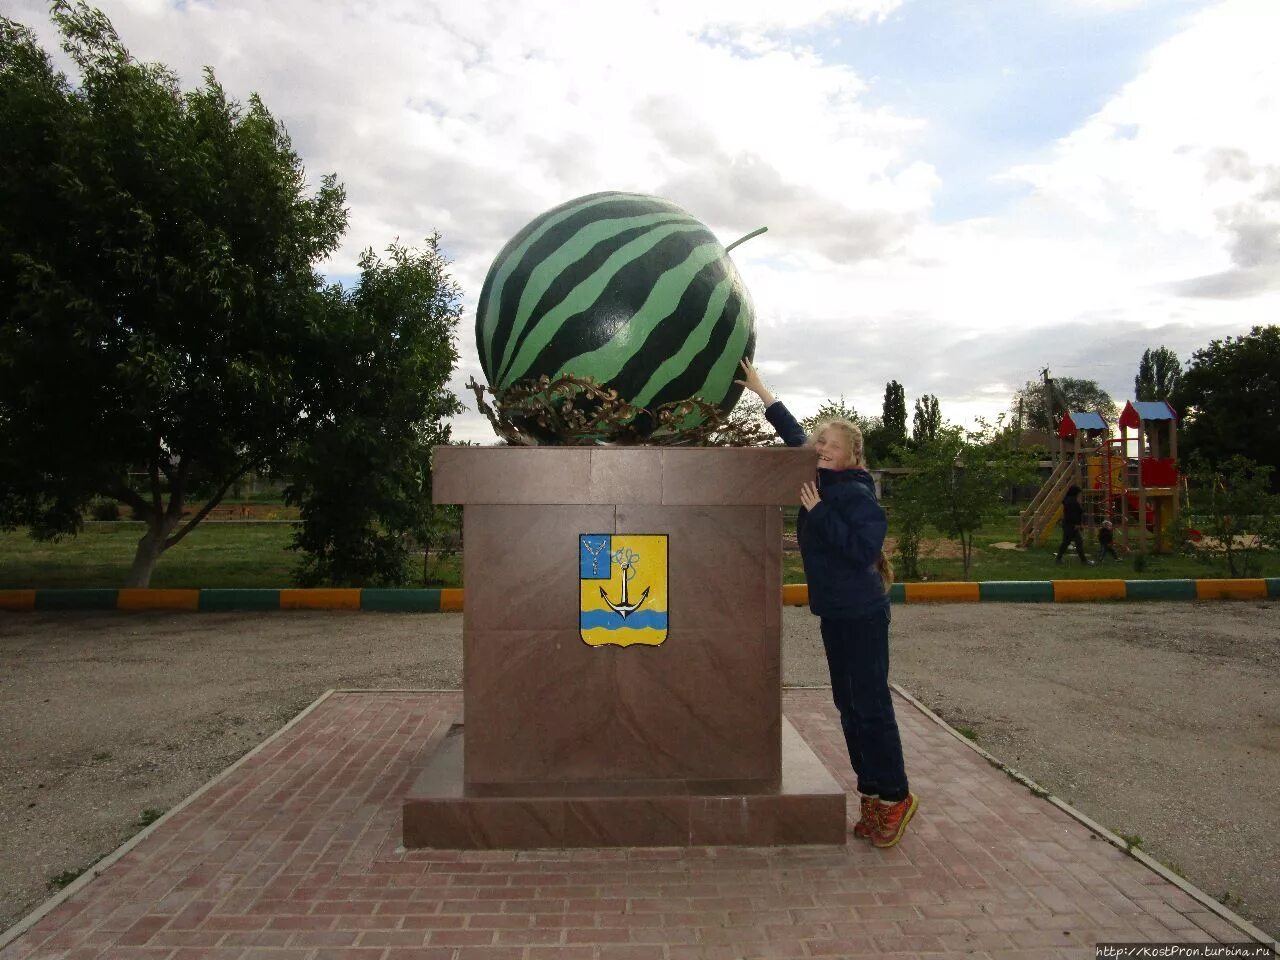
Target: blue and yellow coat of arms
{"type": "Point", "coordinates": [622, 581]}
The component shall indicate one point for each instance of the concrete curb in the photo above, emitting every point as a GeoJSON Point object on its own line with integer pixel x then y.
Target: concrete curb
{"type": "Point", "coordinates": [412, 600]}
{"type": "Point", "coordinates": [1194, 892]}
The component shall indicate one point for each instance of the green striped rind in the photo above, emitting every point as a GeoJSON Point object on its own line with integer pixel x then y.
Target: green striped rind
{"type": "Point", "coordinates": [586, 293]}
{"type": "Point", "coordinates": [76, 599]}
{"type": "Point", "coordinates": [215, 599]}
{"type": "Point", "coordinates": [513, 253]}
{"type": "Point", "coordinates": [627, 290]}
{"type": "Point", "coordinates": [402, 599]}
{"type": "Point", "coordinates": [1273, 586]}
{"type": "Point", "coordinates": [720, 380]}
{"type": "Point", "coordinates": [1021, 591]}
{"type": "Point", "coordinates": [1160, 589]}
{"type": "Point", "coordinates": [605, 363]}
{"type": "Point", "coordinates": [898, 593]}
{"type": "Point", "coordinates": [673, 366]}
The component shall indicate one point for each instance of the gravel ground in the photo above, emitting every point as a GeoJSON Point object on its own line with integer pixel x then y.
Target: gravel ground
{"type": "Point", "coordinates": [1158, 720]}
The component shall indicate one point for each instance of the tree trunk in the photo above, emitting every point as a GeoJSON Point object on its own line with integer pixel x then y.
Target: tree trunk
{"type": "Point", "coordinates": [149, 549]}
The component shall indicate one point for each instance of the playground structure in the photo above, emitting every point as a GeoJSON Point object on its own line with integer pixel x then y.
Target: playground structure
{"type": "Point", "coordinates": [1138, 489]}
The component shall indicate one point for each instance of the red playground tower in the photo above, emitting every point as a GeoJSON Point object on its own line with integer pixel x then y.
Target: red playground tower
{"type": "Point", "coordinates": [1153, 483]}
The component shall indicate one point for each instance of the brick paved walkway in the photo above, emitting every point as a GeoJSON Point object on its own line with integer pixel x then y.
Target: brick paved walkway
{"type": "Point", "coordinates": [294, 857]}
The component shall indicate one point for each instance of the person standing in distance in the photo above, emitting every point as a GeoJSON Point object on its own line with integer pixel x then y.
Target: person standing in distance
{"type": "Point", "coordinates": [841, 529]}
{"type": "Point", "coordinates": [1072, 518]}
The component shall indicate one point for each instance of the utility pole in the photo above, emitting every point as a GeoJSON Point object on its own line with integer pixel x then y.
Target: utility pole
{"type": "Point", "coordinates": [1046, 397]}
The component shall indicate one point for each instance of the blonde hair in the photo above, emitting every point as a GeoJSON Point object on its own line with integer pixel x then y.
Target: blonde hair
{"type": "Point", "coordinates": [852, 434]}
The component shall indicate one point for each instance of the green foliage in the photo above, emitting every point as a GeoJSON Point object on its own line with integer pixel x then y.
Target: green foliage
{"type": "Point", "coordinates": [440, 535]}
{"type": "Point", "coordinates": [748, 417]}
{"type": "Point", "coordinates": [1158, 374]}
{"type": "Point", "coordinates": [927, 421]}
{"type": "Point", "coordinates": [908, 518]}
{"type": "Point", "coordinates": [1229, 398]}
{"type": "Point", "coordinates": [1036, 399]}
{"type": "Point", "coordinates": [832, 410]}
{"type": "Point", "coordinates": [363, 480]}
{"type": "Point", "coordinates": [106, 510]}
{"type": "Point", "coordinates": [64, 879]}
{"type": "Point", "coordinates": [1235, 512]}
{"type": "Point", "coordinates": [162, 313]}
{"type": "Point", "coordinates": [962, 480]}
{"type": "Point", "coordinates": [893, 416]}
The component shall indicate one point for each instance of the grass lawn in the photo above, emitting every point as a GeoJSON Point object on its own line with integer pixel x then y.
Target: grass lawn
{"type": "Point", "coordinates": [1036, 563]}
{"type": "Point", "coordinates": [212, 555]}
{"type": "Point", "coordinates": [257, 555]}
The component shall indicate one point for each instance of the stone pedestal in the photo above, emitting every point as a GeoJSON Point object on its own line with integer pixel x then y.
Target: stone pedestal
{"type": "Point", "coordinates": [568, 744]}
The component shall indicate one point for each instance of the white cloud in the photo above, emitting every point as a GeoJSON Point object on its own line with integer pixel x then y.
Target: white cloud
{"type": "Point", "coordinates": [473, 117]}
{"type": "Point", "coordinates": [1154, 221]}
{"type": "Point", "coordinates": [1190, 148]}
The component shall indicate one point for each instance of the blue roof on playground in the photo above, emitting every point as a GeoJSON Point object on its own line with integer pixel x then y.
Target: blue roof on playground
{"type": "Point", "coordinates": [1152, 409]}
{"type": "Point", "coordinates": [1084, 420]}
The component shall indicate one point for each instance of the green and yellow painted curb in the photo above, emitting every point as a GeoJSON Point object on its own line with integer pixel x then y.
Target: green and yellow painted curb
{"type": "Point", "coordinates": [409, 600]}
{"type": "Point", "coordinates": [401, 599]}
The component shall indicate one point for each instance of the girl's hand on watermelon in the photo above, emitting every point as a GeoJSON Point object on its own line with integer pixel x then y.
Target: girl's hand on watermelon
{"type": "Point", "coordinates": [754, 383]}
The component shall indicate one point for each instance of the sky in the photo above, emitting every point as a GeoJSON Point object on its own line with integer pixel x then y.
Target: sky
{"type": "Point", "coordinates": [959, 193]}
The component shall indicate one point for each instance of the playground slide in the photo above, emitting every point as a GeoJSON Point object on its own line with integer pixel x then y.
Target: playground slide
{"type": "Point", "coordinates": [1051, 527]}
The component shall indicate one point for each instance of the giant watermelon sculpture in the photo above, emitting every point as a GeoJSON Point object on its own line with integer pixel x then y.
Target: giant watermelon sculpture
{"type": "Point", "coordinates": [626, 291]}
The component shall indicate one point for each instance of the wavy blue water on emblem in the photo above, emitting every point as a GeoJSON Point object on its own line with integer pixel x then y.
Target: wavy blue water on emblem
{"type": "Point", "coordinates": [641, 619]}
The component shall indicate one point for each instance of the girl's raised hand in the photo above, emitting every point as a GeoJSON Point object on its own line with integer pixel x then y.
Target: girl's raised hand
{"type": "Point", "coordinates": [753, 383]}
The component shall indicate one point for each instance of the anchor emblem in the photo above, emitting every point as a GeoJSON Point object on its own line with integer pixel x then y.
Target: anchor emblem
{"type": "Point", "coordinates": [626, 559]}
{"type": "Point", "coordinates": [612, 610]}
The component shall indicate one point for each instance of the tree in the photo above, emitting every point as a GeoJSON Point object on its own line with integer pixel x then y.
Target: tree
{"type": "Point", "coordinates": [1062, 393]}
{"type": "Point", "coordinates": [162, 313]}
{"type": "Point", "coordinates": [362, 479]}
{"type": "Point", "coordinates": [832, 410]}
{"type": "Point", "coordinates": [960, 480]}
{"type": "Point", "coordinates": [1229, 400]}
{"type": "Point", "coordinates": [908, 519]}
{"type": "Point", "coordinates": [1237, 513]}
{"type": "Point", "coordinates": [894, 414]}
{"type": "Point", "coordinates": [1158, 375]}
{"type": "Point", "coordinates": [748, 418]}
{"type": "Point", "coordinates": [927, 421]}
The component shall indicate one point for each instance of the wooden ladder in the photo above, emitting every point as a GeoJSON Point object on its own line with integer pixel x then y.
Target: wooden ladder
{"type": "Point", "coordinates": [1044, 505]}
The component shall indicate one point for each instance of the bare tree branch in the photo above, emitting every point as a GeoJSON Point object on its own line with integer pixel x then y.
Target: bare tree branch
{"type": "Point", "coordinates": [131, 497]}
{"type": "Point", "coordinates": [205, 510]}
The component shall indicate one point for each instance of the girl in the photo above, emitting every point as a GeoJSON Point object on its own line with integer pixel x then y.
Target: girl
{"type": "Point", "coordinates": [841, 530]}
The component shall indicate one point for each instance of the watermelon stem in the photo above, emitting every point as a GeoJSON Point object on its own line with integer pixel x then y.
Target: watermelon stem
{"type": "Point", "coordinates": [753, 233]}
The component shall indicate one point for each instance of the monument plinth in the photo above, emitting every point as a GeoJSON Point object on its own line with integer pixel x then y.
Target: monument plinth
{"type": "Point", "coordinates": [622, 654]}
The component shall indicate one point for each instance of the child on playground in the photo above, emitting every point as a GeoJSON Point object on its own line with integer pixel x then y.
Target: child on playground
{"type": "Point", "coordinates": [841, 530]}
{"type": "Point", "coordinates": [1106, 538]}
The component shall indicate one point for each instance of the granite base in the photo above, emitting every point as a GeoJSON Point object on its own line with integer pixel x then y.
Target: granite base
{"type": "Point", "coordinates": [806, 807]}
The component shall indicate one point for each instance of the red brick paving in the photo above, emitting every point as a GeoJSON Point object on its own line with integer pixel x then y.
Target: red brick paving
{"type": "Point", "coordinates": [295, 856]}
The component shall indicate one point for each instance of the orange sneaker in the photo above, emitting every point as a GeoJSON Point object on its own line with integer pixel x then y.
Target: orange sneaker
{"type": "Point", "coordinates": [866, 826]}
{"type": "Point", "coordinates": [892, 820]}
